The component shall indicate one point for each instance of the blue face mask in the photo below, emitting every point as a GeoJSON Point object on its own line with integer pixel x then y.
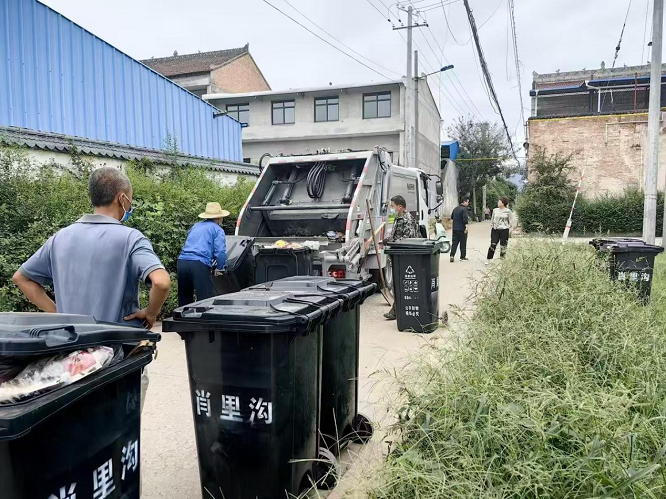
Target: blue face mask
{"type": "Point", "coordinates": [127, 213]}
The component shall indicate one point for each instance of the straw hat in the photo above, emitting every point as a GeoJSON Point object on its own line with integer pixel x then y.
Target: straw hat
{"type": "Point", "coordinates": [214, 210]}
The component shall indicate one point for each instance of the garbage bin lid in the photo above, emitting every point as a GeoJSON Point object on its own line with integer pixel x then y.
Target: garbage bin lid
{"type": "Point", "coordinates": [25, 334]}
{"type": "Point", "coordinates": [252, 311]}
{"type": "Point", "coordinates": [350, 290]}
{"type": "Point", "coordinates": [603, 242]}
{"type": "Point", "coordinates": [635, 246]}
{"type": "Point", "coordinates": [238, 248]}
{"type": "Point", "coordinates": [271, 250]}
{"type": "Point", "coordinates": [413, 246]}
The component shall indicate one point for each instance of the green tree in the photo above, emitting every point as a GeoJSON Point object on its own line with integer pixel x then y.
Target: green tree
{"type": "Point", "coordinates": [546, 202]}
{"type": "Point", "coordinates": [483, 150]}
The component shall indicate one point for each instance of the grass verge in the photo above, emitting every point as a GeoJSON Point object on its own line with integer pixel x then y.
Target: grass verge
{"type": "Point", "coordinates": [557, 390]}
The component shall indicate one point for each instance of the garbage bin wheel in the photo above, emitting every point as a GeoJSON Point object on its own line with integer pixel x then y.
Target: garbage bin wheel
{"type": "Point", "coordinates": [327, 470]}
{"type": "Point", "coordinates": [361, 429]}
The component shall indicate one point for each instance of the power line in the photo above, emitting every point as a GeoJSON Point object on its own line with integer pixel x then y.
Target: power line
{"type": "Point", "coordinates": [327, 42]}
{"type": "Point", "coordinates": [515, 56]}
{"type": "Point", "coordinates": [341, 42]}
{"type": "Point", "coordinates": [486, 72]}
{"type": "Point", "coordinates": [442, 56]}
{"type": "Point", "coordinates": [647, 10]}
{"type": "Point", "coordinates": [617, 51]}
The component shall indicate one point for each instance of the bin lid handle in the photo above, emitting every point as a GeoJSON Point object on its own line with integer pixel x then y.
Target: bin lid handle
{"type": "Point", "coordinates": [51, 338]}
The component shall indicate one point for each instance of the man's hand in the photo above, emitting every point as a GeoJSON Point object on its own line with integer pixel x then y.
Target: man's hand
{"type": "Point", "coordinates": [148, 319]}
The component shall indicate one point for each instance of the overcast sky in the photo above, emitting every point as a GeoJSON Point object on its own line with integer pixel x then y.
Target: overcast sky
{"type": "Point", "coordinates": [552, 34]}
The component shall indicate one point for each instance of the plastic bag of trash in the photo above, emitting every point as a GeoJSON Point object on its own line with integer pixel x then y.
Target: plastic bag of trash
{"type": "Point", "coordinates": [47, 373]}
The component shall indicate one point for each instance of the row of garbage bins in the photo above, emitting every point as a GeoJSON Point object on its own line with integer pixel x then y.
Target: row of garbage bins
{"type": "Point", "coordinates": [273, 373]}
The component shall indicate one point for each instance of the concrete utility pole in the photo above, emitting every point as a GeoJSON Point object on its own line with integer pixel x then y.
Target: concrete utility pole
{"type": "Point", "coordinates": [410, 12]}
{"type": "Point", "coordinates": [650, 207]}
{"type": "Point", "coordinates": [415, 138]}
{"type": "Point", "coordinates": [409, 133]}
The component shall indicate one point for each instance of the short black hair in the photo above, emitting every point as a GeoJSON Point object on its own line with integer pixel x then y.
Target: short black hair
{"type": "Point", "coordinates": [400, 201]}
{"type": "Point", "coordinates": [463, 200]}
{"type": "Point", "coordinates": [505, 201]}
{"type": "Point", "coordinates": [105, 184]}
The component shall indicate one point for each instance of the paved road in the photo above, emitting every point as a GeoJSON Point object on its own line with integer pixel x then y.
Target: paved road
{"type": "Point", "coordinates": [168, 450]}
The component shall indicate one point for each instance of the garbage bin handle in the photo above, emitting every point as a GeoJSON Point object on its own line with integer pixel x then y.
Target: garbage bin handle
{"type": "Point", "coordinates": [38, 332]}
{"type": "Point", "coordinates": [192, 312]}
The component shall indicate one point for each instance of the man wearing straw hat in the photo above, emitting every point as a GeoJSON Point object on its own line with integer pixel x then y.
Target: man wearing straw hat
{"type": "Point", "coordinates": [204, 249]}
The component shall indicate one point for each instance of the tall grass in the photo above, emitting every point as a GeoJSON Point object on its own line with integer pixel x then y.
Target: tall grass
{"type": "Point", "coordinates": [557, 390]}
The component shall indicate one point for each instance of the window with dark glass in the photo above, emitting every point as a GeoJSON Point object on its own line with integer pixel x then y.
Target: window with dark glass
{"type": "Point", "coordinates": [240, 112]}
{"type": "Point", "coordinates": [327, 109]}
{"type": "Point", "coordinates": [284, 112]}
{"type": "Point", "coordinates": [377, 105]}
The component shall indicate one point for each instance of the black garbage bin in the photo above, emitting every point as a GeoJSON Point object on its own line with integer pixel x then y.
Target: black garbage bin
{"type": "Point", "coordinates": [632, 262]}
{"type": "Point", "coordinates": [79, 440]}
{"type": "Point", "coordinates": [254, 362]}
{"type": "Point", "coordinates": [276, 263]}
{"type": "Point", "coordinates": [416, 283]}
{"type": "Point", "coordinates": [340, 421]}
{"type": "Point", "coordinates": [238, 272]}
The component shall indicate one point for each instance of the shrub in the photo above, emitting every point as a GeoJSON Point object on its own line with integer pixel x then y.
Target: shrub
{"type": "Point", "coordinates": [546, 203]}
{"type": "Point", "coordinates": [35, 202]}
{"type": "Point", "coordinates": [555, 391]}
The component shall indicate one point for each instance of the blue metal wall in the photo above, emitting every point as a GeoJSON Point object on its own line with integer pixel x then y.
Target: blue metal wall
{"type": "Point", "coordinates": [57, 77]}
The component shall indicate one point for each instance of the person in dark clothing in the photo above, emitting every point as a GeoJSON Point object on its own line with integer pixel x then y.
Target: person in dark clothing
{"type": "Point", "coordinates": [204, 250]}
{"type": "Point", "coordinates": [460, 218]}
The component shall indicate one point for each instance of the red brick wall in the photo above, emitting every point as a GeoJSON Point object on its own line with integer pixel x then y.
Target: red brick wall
{"type": "Point", "coordinates": [611, 149]}
{"type": "Point", "coordinates": [241, 75]}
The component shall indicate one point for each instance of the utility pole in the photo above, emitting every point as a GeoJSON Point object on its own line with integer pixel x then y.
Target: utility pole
{"type": "Point", "coordinates": [410, 111]}
{"type": "Point", "coordinates": [415, 140]}
{"type": "Point", "coordinates": [650, 208]}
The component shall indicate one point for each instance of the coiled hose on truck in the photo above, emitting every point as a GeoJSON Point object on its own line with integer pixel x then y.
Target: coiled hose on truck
{"type": "Point", "coordinates": [316, 180]}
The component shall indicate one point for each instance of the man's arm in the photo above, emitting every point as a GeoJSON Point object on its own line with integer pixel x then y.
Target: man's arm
{"type": "Point", "coordinates": [34, 292]}
{"type": "Point", "coordinates": [159, 292]}
{"type": "Point", "coordinates": [465, 216]}
{"type": "Point", "coordinates": [220, 248]}
{"type": "Point", "coordinates": [148, 268]}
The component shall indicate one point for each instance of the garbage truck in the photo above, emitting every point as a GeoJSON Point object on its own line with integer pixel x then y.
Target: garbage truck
{"type": "Point", "coordinates": [335, 204]}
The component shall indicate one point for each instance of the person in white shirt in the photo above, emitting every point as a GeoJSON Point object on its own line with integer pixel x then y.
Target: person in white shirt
{"type": "Point", "coordinates": [502, 223]}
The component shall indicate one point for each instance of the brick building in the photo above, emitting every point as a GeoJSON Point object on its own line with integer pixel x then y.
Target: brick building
{"type": "Point", "coordinates": [601, 116]}
{"type": "Point", "coordinates": [228, 71]}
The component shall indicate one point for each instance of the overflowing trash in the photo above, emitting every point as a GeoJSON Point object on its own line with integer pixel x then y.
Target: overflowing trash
{"type": "Point", "coordinates": [47, 373]}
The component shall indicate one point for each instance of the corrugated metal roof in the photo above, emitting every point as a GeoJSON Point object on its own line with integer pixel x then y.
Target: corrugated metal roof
{"type": "Point", "coordinates": [559, 84]}
{"type": "Point", "coordinates": [64, 143]}
{"type": "Point", "coordinates": [57, 77]}
{"type": "Point", "coordinates": [203, 62]}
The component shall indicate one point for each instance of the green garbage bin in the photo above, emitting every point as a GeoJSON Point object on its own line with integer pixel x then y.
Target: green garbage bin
{"type": "Point", "coordinates": [254, 363]}
{"type": "Point", "coordinates": [416, 283]}
{"type": "Point", "coordinates": [340, 421]}
{"type": "Point", "coordinates": [76, 440]}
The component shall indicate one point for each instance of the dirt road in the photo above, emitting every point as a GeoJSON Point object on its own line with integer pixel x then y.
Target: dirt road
{"type": "Point", "coordinates": [168, 452]}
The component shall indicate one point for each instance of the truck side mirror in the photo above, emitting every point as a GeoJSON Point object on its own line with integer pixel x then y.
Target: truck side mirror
{"type": "Point", "coordinates": [439, 188]}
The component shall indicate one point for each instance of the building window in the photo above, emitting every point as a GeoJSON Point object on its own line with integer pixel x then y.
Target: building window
{"type": "Point", "coordinates": [239, 112]}
{"type": "Point", "coordinates": [284, 112]}
{"type": "Point", "coordinates": [247, 160]}
{"type": "Point", "coordinates": [377, 105]}
{"type": "Point", "coordinates": [327, 109]}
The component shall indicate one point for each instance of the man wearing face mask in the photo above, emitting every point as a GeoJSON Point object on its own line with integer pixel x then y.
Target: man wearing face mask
{"type": "Point", "coordinates": [404, 227]}
{"type": "Point", "coordinates": [96, 264]}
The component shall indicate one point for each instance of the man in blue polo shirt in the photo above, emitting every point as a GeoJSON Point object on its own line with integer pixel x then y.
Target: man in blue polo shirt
{"type": "Point", "coordinates": [96, 264]}
{"type": "Point", "coordinates": [204, 250]}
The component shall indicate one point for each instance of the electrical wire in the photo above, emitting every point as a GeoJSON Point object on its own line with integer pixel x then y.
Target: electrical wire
{"type": "Point", "coordinates": [486, 72]}
{"type": "Point", "coordinates": [647, 10]}
{"type": "Point", "coordinates": [469, 99]}
{"type": "Point", "coordinates": [341, 42]}
{"type": "Point", "coordinates": [617, 52]}
{"type": "Point", "coordinates": [515, 56]}
{"type": "Point", "coordinates": [316, 180]}
{"type": "Point", "coordinates": [326, 41]}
